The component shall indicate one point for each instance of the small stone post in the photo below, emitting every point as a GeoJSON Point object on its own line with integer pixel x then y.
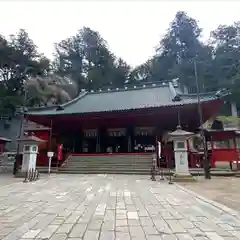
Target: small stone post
{"type": "Point", "coordinates": [153, 170]}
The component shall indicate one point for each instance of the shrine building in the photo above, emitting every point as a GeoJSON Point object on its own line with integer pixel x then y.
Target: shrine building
{"type": "Point", "coordinates": [121, 120]}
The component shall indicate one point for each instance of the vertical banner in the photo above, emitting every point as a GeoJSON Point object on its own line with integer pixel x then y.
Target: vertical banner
{"type": "Point", "coordinates": [60, 153]}
{"type": "Point", "coordinates": [50, 137]}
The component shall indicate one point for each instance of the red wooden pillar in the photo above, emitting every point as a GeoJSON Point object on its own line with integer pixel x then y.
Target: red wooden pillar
{"type": "Point", "coordinates": [236, 151]}
{"type": "Point", "coordinates": [193, 162]}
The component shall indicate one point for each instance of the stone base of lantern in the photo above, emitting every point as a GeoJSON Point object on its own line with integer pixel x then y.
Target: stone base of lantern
{"type": "Point", "coordinates": [183, 178]}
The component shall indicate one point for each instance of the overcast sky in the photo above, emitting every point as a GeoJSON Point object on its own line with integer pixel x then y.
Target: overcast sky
{"type": "Point", "coordinates": [131, 28]}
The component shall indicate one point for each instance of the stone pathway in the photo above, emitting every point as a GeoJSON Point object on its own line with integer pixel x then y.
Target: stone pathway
{"type": "Point", "coordinates": [106, 207]}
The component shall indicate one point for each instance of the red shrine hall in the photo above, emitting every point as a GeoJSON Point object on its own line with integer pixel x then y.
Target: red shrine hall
{"type": "Point", "coordinates": [121, 121]}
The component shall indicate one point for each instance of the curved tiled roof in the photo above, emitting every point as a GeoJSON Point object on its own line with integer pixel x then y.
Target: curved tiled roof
{"type": "Point", "coordinates": [125, 100]}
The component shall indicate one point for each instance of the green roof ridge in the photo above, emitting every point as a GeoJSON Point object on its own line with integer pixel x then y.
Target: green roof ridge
{"type": "Point", "coordinates": [126, 88]}
{"type": "Point", "coordinates": [81, 95]}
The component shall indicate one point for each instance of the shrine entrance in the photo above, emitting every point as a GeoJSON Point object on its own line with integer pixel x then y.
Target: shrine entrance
{"type": "Point", "coordinates": [89, 143]}
{"type": "Point", "coordinates": [117, 140]}
{"type": "Point", "coordinates": [145, 139]}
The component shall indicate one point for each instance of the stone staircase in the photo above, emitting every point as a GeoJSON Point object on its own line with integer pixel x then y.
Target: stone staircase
{"type": "Point", "coordinates": [108, 164]}
{"type": "Point", "coordinates": [118, 164]}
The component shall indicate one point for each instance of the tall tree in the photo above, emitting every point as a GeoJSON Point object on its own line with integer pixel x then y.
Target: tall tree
{"type": "Point", "coordinates": [69, 60]}
{"type": "Point", "coordinates": [143, 72]}
{"type": "Point", "coordinates": [121, 73]}
{"type": "Point", "coordinates": [180, 47]}
{"type": "Point", "coordinates": [226, 40]}
{"type": "Point", "coordinates": [19, 59]}
{"type": "Point", "coordinates": [86, 58]}
{"type": "Point", "coordinates": [175, 56]}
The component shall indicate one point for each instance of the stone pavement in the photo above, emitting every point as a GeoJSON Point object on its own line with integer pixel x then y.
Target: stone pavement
{"type": "Point", "coordinates": [7, 178]}
{"type": "Point", "coordinates": [107, 207]}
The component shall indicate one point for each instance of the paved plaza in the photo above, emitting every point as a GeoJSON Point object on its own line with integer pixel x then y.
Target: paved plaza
{"type": "Point", "coordinates": [107, 207]}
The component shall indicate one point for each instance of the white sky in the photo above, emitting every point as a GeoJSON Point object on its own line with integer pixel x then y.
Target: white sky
{"type": "Point", "coordinates": [131, 28]}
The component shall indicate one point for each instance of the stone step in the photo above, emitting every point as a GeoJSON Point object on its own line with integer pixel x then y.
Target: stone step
{"type": "Point", "coordinates": [103, 167]}
{"type": "Point", "coordinates": [99, 172]}
{"type": "Point", "coordinates": [111, 156]}
{"type": "Point", "coordinates": [106, 168]}
{"type": "Point", "coordinates": [110, 160]}
{"type": "Point", "coordinates": [106, 163]}
{"type": "Point", "coordinates": [137, 172]}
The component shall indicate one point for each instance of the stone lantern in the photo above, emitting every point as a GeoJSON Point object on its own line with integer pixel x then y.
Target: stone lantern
{"type": "Point", "coordinates": [30, 152]}
{"type": "Point", "coordinates": [180, 138]}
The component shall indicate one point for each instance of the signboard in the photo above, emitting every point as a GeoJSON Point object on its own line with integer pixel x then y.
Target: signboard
{"type": "Point", "coordinates": [90, 133]}
{"type": "Point", "coordinates": [116, 132]}
{"type": "Point", "coordinates": [50, 154]}
{"type": "Point", "coordinates": [144, 131]}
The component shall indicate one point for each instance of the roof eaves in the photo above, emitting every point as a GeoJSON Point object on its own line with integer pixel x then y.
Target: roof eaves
{"type": "Point", "coordinates": [178, 100]}
{"type": "Point", "coordinates": [56, 107]}
{"type": "Point", "coordinates": [33, 109]}
{"type": "Point", "coordinates": [37, 129]}
{"type": "Point", "coordinates": [175, 104]}
{"type": "Point", "coordinates": [5, 139]}
{"type": "Point", "coordinates": [222, 130]}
